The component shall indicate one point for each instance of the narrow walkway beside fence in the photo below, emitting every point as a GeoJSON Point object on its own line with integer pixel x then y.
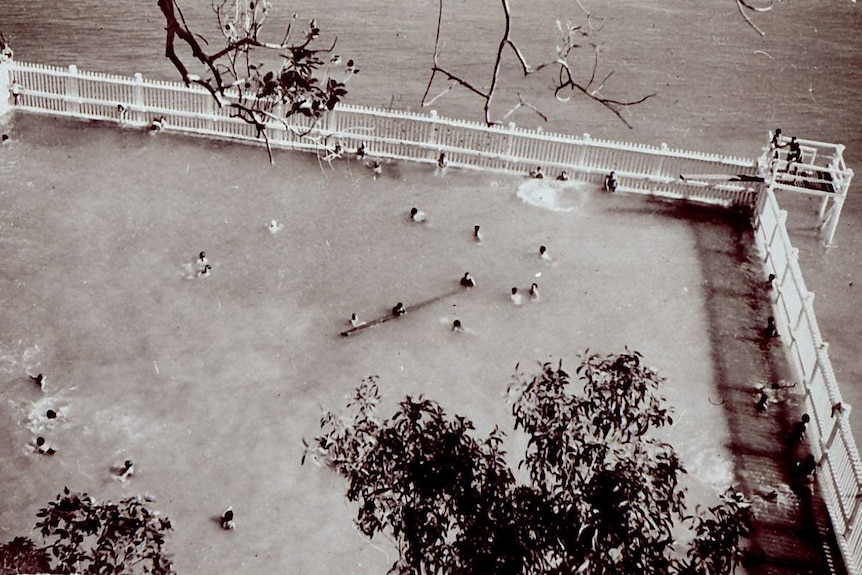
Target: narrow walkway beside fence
{"type": "Point", "coordinates": [791, 528]}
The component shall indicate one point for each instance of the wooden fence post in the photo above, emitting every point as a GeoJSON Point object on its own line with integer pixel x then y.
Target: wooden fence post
{"type": "Point", "coordinates": [5, 82]}
{"type": "Point", "coordinates": [138, 98]}
{"type": "Point", "coordinates": [73, 99]}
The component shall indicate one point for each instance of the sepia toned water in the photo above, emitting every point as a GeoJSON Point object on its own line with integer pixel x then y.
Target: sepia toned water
{"type": "Point", "coordinates": [261, 330]}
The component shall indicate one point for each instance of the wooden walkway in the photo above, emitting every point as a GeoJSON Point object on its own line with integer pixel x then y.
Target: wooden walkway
{"type": "Point", "coordinates": [792, 531]}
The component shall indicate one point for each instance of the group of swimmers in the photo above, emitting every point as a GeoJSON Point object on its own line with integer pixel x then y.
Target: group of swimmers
{"type": "Point", "coordinates": [610, 182]}
{"type": "Point", "coordinates": [466, 281]}
{"type": "Point", "coordinates": [42, 447]}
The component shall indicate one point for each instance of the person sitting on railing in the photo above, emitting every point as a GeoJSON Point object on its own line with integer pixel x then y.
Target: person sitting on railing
{"type": "Point", "coordinates": [15, 90]}
{"type": "Point", "coordinates": [794, 154]}
{"type": "Point", "coordinates": [158, 124]}
{"type": "Point", "coordinates": [537, 173]}
{"type": "Point", "coordinates": [776, 140]}
{"type": "Point", "coordinates": [611, 182]}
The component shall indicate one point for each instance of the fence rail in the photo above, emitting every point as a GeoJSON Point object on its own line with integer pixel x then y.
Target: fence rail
{"type": "Point", "coordinates": [829, 430]}
{"type": "Point", "coordinates": [640, 168]}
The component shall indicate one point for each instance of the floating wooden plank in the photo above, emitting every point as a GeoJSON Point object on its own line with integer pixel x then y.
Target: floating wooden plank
{"type": "Point", "coordinates": [390, 316]}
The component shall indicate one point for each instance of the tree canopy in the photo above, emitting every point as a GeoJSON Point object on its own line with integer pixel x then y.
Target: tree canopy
{"type": "Point", "coordinates": [601, 494]}
{"type": "Point", "coordinates": [81, 535]}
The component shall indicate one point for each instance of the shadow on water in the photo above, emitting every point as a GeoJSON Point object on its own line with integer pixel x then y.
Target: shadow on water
{"type": "Point", "coordinates": [791, 533]}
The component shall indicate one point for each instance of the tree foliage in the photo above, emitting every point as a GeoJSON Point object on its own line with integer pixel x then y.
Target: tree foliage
{"type": "Point", "coordinates": [602, 494]}
{"type": "Point", "coordinates": [260, 79]}
{"type": "Point", "coordinates": [83, 536]}
{"type": "Point", "coordinates": [21, 555]}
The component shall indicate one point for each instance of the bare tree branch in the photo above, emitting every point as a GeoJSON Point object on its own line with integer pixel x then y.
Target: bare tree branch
{"type": "Point", "coordinates": [571, 44]}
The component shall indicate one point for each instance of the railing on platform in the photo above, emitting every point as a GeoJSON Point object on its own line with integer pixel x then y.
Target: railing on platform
{"type": "Point", "coordinates": [643, 169]}
{"type": "Point", "coordinates": [829, 430]}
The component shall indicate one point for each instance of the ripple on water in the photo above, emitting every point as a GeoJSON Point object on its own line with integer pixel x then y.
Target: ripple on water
{"type": "Point", "coordinates": [554, 195]}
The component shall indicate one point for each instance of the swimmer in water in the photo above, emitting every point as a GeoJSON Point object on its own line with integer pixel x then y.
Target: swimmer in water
{"type": "Point", "coordinates": [51, 414]}
{"type": "Point", "coordinates": [128, 470]}
{"type": "Point", "coordinates": [202, 259]}
{"type": "Point", "coordinates": [205, 272]}
{"type": "Point", "coordinates": [563, 177]}
{"type": "Point", "coordinates": [360, 151]}
{"type": "Point", "coordinates": [376, 168]}
{"type": "Point", "coordinates": [39, 380]}
{"type": "Point", "coordinates": [442, 161]}
{"type": "Point", "coordinates": [4, 138]}
{"type": "Point", "coordinates": [543, 254]}
{"type": "Point", "coordinates": [534, 291]}
{"type": "Point", "coordinates": [399, 309]}
{"type": "Point", "coordinates": [417, 215]}
{"type": "Point", "coordinates": [227, 521]}
{"type": "Point", "coordinates": [273, 226]}
{"type": "Point", "coordinates": [354, 320]}
{"type": "Point", "coordinates": [42, 448]}
{"type": "Point", "coordinates": [158, 124]}
{"type": "Point", "coordinates": [516, 297]}
{"type": "Point", "coordinates": [456, 326]}
{"type": "Point", "coordinates": [477, 234]}
{"type": "Point", "coordinates": [537, 173]}
{"type": "Point", "coordinates": [468, 281]}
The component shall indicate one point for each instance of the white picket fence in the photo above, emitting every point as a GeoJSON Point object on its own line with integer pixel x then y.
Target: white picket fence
{"type": "Point", "coordinates": [407, 136]}
{"type": "Point", "coordinates": [388, 134]}
{"type": "Point", "coordinates": [840, 469]}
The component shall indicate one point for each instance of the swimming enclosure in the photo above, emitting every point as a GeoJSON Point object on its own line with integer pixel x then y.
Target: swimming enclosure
{"type": "Point", "coordinates": [641, 169]}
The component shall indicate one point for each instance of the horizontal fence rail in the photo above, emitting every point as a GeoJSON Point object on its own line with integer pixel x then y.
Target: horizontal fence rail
{"type": "Point", "coordinates": [840, 466]}
{"type": "Point", "coordinates": [640, 168]}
